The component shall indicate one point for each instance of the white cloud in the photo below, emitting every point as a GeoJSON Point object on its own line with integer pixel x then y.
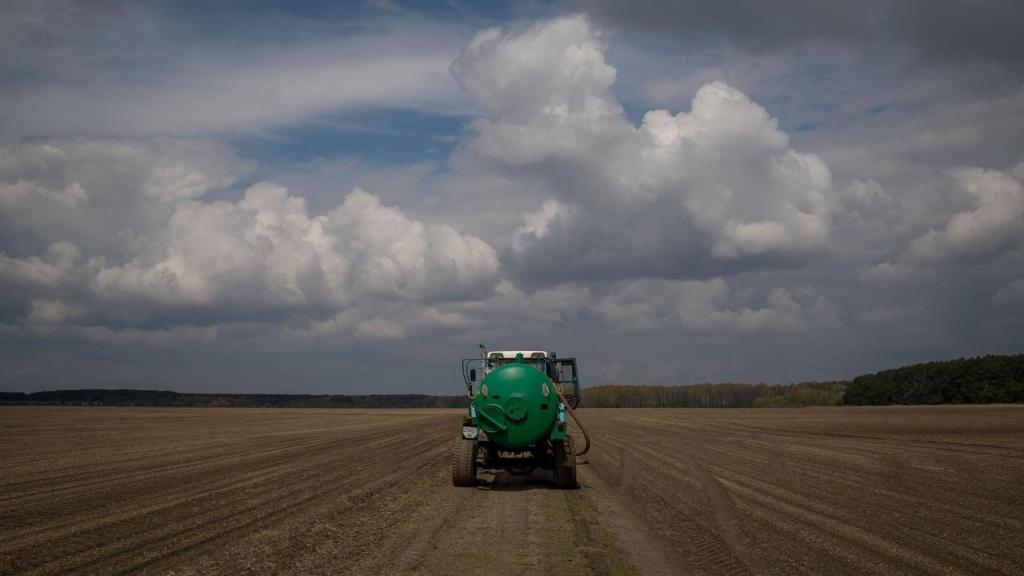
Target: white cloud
{"type": "Point", "coordinates": [553, 69]}
{"type": "Point", "coordinates": [267, 250]}
{"type": "Point", "coordinates": [402, 257]}
{"type": "Point", "coordinates": [261, 256]}
{"type": "Point", "coordinates": [539, 225]}
{"type": "Point", "coordinates": [738, 178]}
{"type": "Point", "coordinates": [713, 188]}
{"type": "Point", "coordinates": [993, 225]}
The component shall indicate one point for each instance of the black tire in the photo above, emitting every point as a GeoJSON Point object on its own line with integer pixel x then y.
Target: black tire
{"type": "Point", "coordinates": [464, 462]}
{"type": "Point", "coordinates": [565, 463]}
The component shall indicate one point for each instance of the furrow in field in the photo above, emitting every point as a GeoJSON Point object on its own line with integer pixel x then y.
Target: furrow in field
{"type": "Point", "coordinates": [893, 490]}
{"type": "Point", "coordinates": [100, 509]}
{"type": "Point", "coordinates": [259, 495]}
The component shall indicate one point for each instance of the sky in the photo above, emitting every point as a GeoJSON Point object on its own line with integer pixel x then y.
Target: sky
{"type": "Point", "coordinates": [348, 198]}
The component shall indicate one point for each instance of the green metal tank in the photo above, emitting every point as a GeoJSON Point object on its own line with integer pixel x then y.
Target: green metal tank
{"type": "Point", "coordinates": [517, 417]}
{"type": "Point", "coordinates": [517, 405]}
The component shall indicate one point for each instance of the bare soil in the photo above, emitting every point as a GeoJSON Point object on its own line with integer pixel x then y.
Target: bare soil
{"type": "Point", "coordinates": [894, 490]}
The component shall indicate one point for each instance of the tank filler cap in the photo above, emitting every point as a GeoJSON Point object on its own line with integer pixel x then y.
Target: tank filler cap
{"type": "Point", "coordinates": [516, 408]}
{"type": "Point", "coordinates": [492, 419]}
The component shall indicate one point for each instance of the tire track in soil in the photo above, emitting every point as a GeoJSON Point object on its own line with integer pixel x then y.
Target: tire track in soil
{"type": "Point", "coordinates": [642, 553]}
{"type": "Point", "coordinates": [584, 538]}
{"type": "Point", "coordinates": [691, 523]}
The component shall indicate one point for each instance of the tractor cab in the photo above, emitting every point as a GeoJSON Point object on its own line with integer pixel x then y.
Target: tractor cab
{"type": "Point", "coordinates": [563, 371]}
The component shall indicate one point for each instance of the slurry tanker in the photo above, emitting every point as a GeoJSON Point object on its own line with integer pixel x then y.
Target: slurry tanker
{"type": "Point", "coordinates": [517, 416]}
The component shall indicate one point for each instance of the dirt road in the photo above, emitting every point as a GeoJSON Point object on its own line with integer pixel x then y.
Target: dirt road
{"type": "Point", "coordinates": [915, 490]}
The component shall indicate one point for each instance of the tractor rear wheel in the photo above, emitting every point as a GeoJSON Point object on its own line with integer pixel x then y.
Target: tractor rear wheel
{"type": "Point", "coordinates": [565, 463]}
{"type": "Point", "coordinates": [464, 462]}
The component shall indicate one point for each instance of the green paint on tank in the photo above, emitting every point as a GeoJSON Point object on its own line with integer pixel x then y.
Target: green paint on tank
{"type": "Point", "coordinates": [517, 405]}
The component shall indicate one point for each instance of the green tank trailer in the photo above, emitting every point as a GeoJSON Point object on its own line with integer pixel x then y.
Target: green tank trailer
{"type": "Point", "coordinates": [516, 418]}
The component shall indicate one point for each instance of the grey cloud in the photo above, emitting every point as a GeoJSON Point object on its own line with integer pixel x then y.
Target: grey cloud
{"type": "Point", "coordinates": [938, 32]}
{"type": "Point", "coordinates": [699, 306]}
{"type": "Point", "coordinates": [132, 69]}
{"type": "Point", "coordinates": [1013, 293]}
{"type": "Point", "coordinates": [104, 195]}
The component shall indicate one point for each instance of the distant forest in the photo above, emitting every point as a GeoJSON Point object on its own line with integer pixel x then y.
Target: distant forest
{"type": "Point", "coordinates": [168, 398]}
{"type": "Point", "coordinates": [980, 380]}
{"type": "Point", "coordinates": [715, 395]}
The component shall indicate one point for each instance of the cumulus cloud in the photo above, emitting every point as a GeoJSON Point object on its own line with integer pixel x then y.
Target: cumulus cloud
{"type": "Point", "coordinates": [545, 91]}
{"type": "Point", "coordinates": [990, 226]}
{"type": "Point", "coordinates": [539, 225]}
{"type": "Point", "coordinates": [994, 224]}
{"type": "Point", "coordinates": [554, 68]}
{"type": "Point", "coordinates": [104, 195]}
{"type": "Point", "coordinates": [696, 193]}
{"type": "Point", "coordinates": [250, 259]}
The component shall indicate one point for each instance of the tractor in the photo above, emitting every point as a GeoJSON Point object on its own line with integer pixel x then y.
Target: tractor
{"type": "Point", "coordinates": [516, 418]}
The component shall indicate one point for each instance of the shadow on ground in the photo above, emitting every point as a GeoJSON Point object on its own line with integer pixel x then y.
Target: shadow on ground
{"type": "Point", "coordinates": [504, 481]}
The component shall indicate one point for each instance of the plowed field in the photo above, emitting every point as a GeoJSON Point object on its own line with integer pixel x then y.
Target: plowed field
{"type": "Point", "coordinates": [901, 490]}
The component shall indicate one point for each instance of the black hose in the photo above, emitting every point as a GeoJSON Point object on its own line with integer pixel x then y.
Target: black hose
{"type": "Point", "coordinates": [586, 438]}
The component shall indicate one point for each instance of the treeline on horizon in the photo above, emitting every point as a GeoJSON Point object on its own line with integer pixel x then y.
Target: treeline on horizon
{"type": "Point", "coordinates": [979, 380]}
{"type": "Point", "coordinates": [728, 395]}
{"type": "Point", "coordinates": [98, 397]}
